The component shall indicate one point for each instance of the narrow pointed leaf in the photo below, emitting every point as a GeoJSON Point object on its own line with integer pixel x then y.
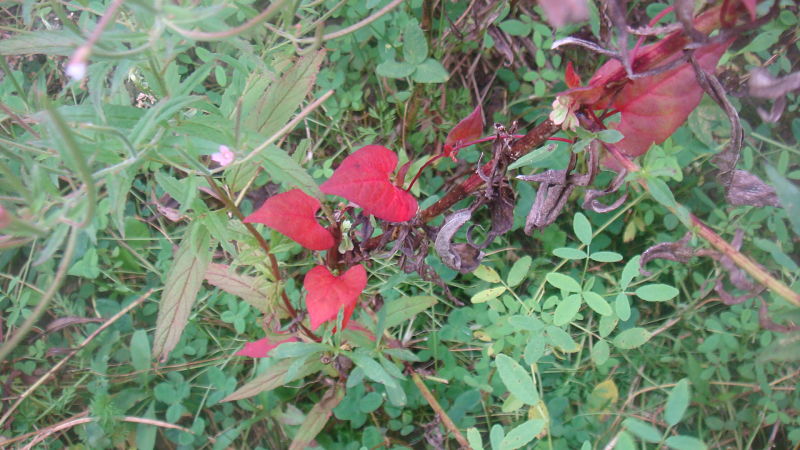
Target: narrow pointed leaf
{"type": "Point", "coordinates": [317, 418]}
{"type": "Point", "coordinates": [275, 376]}
{"type": "Point", "coordinates": [363, 178]}
{"type": "Point", "coordinates": [293, 214]}
{"type": "Point", "coordinates": [249, 289]}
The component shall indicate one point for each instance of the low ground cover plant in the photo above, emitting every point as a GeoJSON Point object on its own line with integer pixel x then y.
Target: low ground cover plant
{"type": "Point", "coordinates": [390, 224]}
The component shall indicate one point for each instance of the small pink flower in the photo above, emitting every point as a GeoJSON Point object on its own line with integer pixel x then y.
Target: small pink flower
{"type": "Point", "coordinates": [224, 156]}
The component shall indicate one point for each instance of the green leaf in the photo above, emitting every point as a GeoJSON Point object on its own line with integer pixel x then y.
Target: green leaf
{"type": "Point", "coordinates": [487, 274]}
{"type": "Point", "coordinates": [317, 418]}
{"type": "Point", "coordinates": [788, 195]}
{"type": "Point", "coordinates": [600, 352]}
{"type": "Point", "coordinates": [515, 27]}
{"type": "Point", "coordinates": [59, 42]}
{"type": "Point", "coordinates": [677, 402]}
{"type": "Point", "coordinates": [656, 292]}
{"type": "Point", "coordinates": [625, 441]}
{"type": "Point", "coordinates": [685, 443]}
{"type": "Point", "coordinates": [534, 349]}
{"type": "Point", "coordinates": [372, 369]}
{"type": "Point", "coordinates": [661, 192]}
{"type": "Point", "coordinates": [597, 303]}
{"type": "Point", "coordinates": [622, 306]}
{"type": "Point", "coordinates": [496, 434]}
{"type": "Point", "coordinates": [561, 339]}
{"type": "Point", "coordinates": [430, 71]}
{"type": "Point", "coordinates": [474, 438]}
{"type": "Point", "coordinates": [582, 227]}
{"type": "Point", "coordinates": [632, 338]}
{"type": "Point", "coordinates": [517, 380]}
{"type": "Point", "coordinates": [522, 434]}
{"type": "Point", "coordinates": [394, 69]}
{"type": "Point", "coordinates": [607, 257]}
{"type": "Point", "coordinates": [487, 294]}
{"type": "Point", "coordinates": [402, 309]}
{"type": "Point", "coordinates": [250, 289]}
{"type": "Point", "coordinates": [519, 271]}
{"type": "Point", "coordinates": [540, 154]}
{"type": "Point", "coordinates": [563, 282]}
{"type": "Point", "coordinates": [140, 350]}
{"type": "Point", "coordinates": [180, 290]}
{"type": "Point", "coordinates": [288, 172]}
{"type": "Point", "coordinates": [298, 349]}
{"type": "Point", "coordinates": [630, 271]}
{"type": "Point", "coordinates": [275, 376]}
{"type": "Point", "coordinates": [270, 109]}
{"type": "Point", "coordinates": [610, 136]}
{"type": "Point", "coordinates": [642, 430]}
{"type": "Point", "coordinates": [569, 253]}
{"type": "Point", "coordinates": [415, 45]}
{"type": "Point", "coordinates": [567, 309]}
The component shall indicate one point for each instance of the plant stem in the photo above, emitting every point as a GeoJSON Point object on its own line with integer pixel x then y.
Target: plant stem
{"type": "Point", "coordinates": [446, 421]}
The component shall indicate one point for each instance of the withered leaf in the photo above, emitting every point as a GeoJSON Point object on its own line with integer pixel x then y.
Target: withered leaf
{"type": "Point", "coordinates": [461, 257]}
{"type": "Point", "coordinates": [748, 189]}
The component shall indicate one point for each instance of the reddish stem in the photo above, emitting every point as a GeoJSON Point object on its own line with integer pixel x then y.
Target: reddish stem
{"type": "Point", "coordinates": [419, 172]}
{"type": "Point", "coordinates": [655, 20]}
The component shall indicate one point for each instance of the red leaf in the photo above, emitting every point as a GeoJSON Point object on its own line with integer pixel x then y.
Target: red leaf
{"type": "Point", "coordinates": [469, 129]}
{"type": "Point", "coordinates": [292, 214]}
{"type": "Point", "coordinates": [328, 293]}
{"type": "Point", "coordinates": [572, 78]}
{"type": "Point", "coordinates": [261, 347]}
{"type": "Point", "coordinates": [363, 178]}
{"type": "Point", "coordinates": [654, 107]}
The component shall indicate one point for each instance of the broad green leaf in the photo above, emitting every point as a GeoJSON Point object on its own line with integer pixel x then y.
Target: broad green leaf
{"type": "Point", "coordinates": [534, 349]}
{"type": "Point", "coordinates": [298, 349]}
{"type": "Point", "coordinates": [642, 430]}
{"type": "Point", "coordinates": [629, 272]}
{"type": "Point", "coordinates": [517, 380]}
{"type": "Point", "coordinates": [394, 69]}
{"type": "Point", "coordinates": [604, 396]}
{"type": "Point", "coordinates": [288, 172]}
{"type": "Point", "coordinates": [685, 443]}
{"type": "Point", "coordinates": [515, 27]}
{"type": "Point", "coordinates": [785, 348]}
{"type": "Point", "coordinates": [561, 339]}
{"type": "Point", "coordinates": [569, 253]}
{"type": "Point", "coordinates": [677, 402]}
{"type": "Point", "coordinates": [140, 350]}
{"type": "Point", "coordinates": [608, 257]}
{"type": "Point", "coordinates": [488, 294]}
{"type": "Point", "coordinates": [250, 289]}
{"type": "Point", "coordinates": [632, 338]}
{"type": "Point", "coordinates": [519, 271]}
{"type": "Point", "coordinates": [317, 418]}
{"type": "Point", "coordinates": [273, 377]}
{"type": "Point", "coordinates": [474, 438]}
{"type": "Point", "coordinates": [625, 441]}
{"type": "Point", "coordinates": [415, 45]}
{"type": "Point", "coordinates": [272, 108]}
{"type": "Point", "coordinates": [540, 154]}
{"type": "Point", "coordinates": [61, 42]}
{"type": "Point", "coordinates": [610, 136]}
{"type": "Point", "coordinates": [522, 434]}
{"type": "Point", "coordinates": [622, 306]}
{"type": "Point", "coordinates": [496, 436]}
{"type": "Point", "coordinates": [788, 195]}
{"type": "Point", "coordinates": [487, 274]}
{"type": "Point", "coordinates": [661, 192]}
{"type": "Point", "coordinates": [582, 228]}
{"type": "Point", "coordinates": [567, 310]}
{"type": "Point", "coordinates": [372, 369]}
{"type": "Point", "coordinates": [146, 433]}
{"type": "Point", "coordinates": [180, 290]}
{"type": "Point", "coordinates": [600, 352]}
{"type": "Point", "coordinates": [402, 309]}
{"type": "Point", "coordinates": [597, 303]}
{"type": "Point", "coordinates": [563, 282]}
{"type": "Point", "coordinates": [656, 292]}
{"type": "Point", "coordinates": [430, 71]}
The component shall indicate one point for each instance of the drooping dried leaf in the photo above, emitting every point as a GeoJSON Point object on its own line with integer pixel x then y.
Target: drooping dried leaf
{"type": "Point", "coordinates": [591, 196]}
{"type": "Point", "coordinates": [250, 289]}
{"type": "Point", "coordinates": [363, 178]}
{"type": "Point", "coordinates": [293, 214]}
{"type": "Point", "coordinates": [762, 84]}
{"type": "Point", "coordinates": [64, 322]}
{"type": "Point", "coordinates": [317, 418]}
{"type": "Point", "coordinates": [748, 189]}
{"type": "Point", "coordinates": [184, 280]}
{"type": "Point", "coordinates": [678, 251]}
{"type": "Point", "coordinates": [328, 293]}
{"type": "Point", "coordinates": [469, 129]}
{"type": "Point", "coordinates": [461, 257]}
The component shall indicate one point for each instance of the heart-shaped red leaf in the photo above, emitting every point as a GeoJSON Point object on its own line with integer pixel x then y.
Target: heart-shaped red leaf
{"type": "Point", "coordinates": [363, 178]}
{"type": "Point", "coordinates": [469, 129]}
{"type": "Point", "coordinates": [328, 293]}
{"type": "Point", "coordinates": [262, 347]}
{"type": "Point", "coordinates": [654, 107]}
{"type": "Point", "coordinates": [292, 214]}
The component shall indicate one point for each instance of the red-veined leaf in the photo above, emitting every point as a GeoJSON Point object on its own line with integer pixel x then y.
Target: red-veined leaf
{"type": "Point", "coordinates": [292, 214]}
{"type": "Point", "coordinates": [261, 347]}
{"type": "Point", "coordinates": [328, 293]}
{"type": "Point", "coordinates": [573, 79]}
{"type": "Point", "coordinates": [363, 178]}
{"type": "Point", "coordinates": [654, 107]}
{"type": "Point", "coordinates": [469, 129]}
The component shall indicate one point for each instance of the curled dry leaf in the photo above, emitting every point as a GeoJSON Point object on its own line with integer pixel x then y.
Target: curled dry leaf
{"type": "Point", "coordinates": [748, 189]}
{"type": "Point", "coordinates": [677, 251]}
{"type": "Point", "coordinates": [762, 84]}
{"type": "Point", "coordinates": [461, 257]}
{"type": "Point", "coordinates": [591, 196]}
{"type": "Point", "coordinates": [293, 214]}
